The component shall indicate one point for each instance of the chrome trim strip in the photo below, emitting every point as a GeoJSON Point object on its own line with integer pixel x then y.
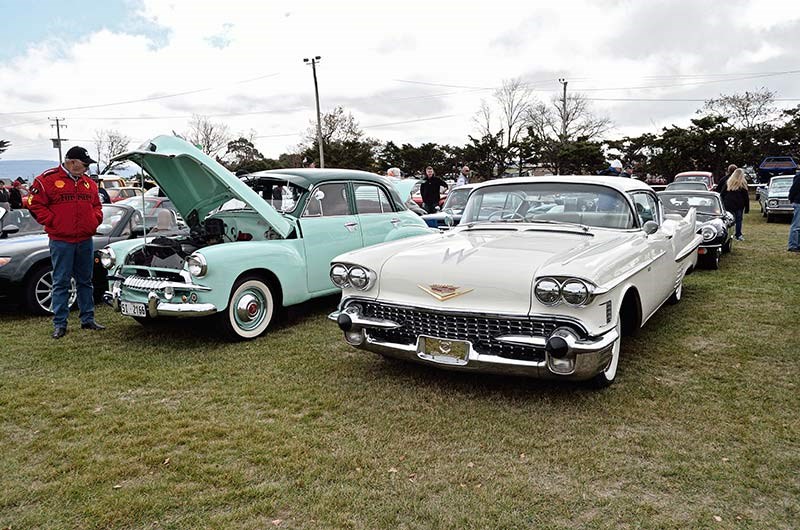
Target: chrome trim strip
{"type": "Point", "coordinates": [603, 289]}
{"type": "Point", "coordinates": [523, 340]}
{"type": "Point", "coordinates": [687, 253]}
{"type": "Point", "coordinates": [364, 322]}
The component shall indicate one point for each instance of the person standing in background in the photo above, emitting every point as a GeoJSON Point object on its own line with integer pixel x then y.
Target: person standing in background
{"type": "Point", "coordinates": [737, 199]}
{"type": "Point", "coordinates": [794, 229]}
{"type": "Point", "coordinates": [430, 189]}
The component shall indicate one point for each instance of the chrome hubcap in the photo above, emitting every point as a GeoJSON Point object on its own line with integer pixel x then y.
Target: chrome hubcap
{"type": "Point", "coordinates": [251, 309]}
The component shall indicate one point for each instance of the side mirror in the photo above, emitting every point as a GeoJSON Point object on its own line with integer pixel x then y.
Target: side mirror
{"type": "Point", "coordinates": [449, 221]}
{"type": "Point", "coordinates": [650, 227]}
{"type": "Point", "coordinates": [10, 229]}
{"type": "Point", "coordinates": [319, 195]}
{"type": "Point", "coordinates": [729, 218]}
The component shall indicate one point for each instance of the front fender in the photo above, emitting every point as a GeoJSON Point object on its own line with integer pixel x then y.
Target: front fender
{"type": "Point", "coordinates": [228, 261]}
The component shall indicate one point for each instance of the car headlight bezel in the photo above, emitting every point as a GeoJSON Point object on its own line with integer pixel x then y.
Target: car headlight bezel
{"type": "Point", "coordinates": [108, 258]}
{"type": "Point", "coordinates": [772, 203]}
{"type": "Point", "coordinates": [547, 291]}
{"type": "Point", "coordinates": [708, 233]}
{"type": "Point", "coordinates": [339, 275]}
{"type": "Point", "coordinates": [575, 292]}
{"type": "Point", "coordinates": [197, 265]}
{"type": "Point", "coordinates": [358, 277]}
{"type": "Point", "coordinates": [551, 291]}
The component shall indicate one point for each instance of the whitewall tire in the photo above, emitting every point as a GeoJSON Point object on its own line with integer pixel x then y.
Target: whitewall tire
{"type": "Point", "coordinates": [250, 309]}
{"type": "Point", "coordinates": [609, 374]}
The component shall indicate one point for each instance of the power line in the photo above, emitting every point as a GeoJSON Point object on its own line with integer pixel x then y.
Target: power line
{"type": "Point", "coordinates": [141, 100]}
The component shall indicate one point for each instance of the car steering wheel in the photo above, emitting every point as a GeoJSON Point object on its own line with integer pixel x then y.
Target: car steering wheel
{"type": "Point", "coordinates": [514, 214]}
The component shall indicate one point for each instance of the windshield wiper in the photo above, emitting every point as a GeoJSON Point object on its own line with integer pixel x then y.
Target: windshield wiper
{"type": "Point", "coordinates": [585, 228]}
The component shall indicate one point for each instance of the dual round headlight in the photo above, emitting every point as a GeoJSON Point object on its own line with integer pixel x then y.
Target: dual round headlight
{"type": "Point", "coordinates": [107, 258]}
{"type": "Point", "coordinates": [708, 233]}
{"type": "Point", "coordinates": [572, 291]}
{"type": "Point", "coordinates": [197, 266]}
{"type": "Point", "coordinates": [357, 277]}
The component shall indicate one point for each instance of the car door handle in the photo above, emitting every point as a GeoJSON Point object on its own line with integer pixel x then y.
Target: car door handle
{"type": "Point", "coordinates": [351, 226]}
{"type": "Point", "coordinates": [395, 221]}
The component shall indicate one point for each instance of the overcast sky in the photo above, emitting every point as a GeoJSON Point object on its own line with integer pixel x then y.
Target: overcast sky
{"type": "Point", "coordinates": [410, 71]}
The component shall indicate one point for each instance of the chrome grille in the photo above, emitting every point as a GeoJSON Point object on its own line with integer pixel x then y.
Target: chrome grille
{"type": "Point", "coordinates": [479, 329]}
{"type": "Point", "coordinates": [139, 283]}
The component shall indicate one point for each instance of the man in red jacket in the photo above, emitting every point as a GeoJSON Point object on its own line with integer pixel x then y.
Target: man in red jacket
{"type": "Point", "coordinates": [66, 202]}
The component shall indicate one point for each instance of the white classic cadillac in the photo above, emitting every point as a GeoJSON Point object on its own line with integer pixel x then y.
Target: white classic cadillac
{"type": "Point", "coordinates": [541, 278]}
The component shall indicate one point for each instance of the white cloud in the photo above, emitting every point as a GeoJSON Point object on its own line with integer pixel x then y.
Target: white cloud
{"type": "Point", "coordinates": [368, 46]}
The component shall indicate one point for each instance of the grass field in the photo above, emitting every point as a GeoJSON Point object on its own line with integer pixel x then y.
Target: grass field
{"type": "Point", "coordinates": [172, 428]}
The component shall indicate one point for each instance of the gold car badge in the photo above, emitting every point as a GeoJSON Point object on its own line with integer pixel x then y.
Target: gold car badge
{"type": "Point", "coordinates": [443, 292]}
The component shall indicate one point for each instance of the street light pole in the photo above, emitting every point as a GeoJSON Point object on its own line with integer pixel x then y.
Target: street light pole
{"type": "Point", "coordinates": [314, 61]}
{"type": "Point", "coordinates": [564, 110]}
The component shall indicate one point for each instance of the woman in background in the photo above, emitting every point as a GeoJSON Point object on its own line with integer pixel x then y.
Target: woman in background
{"type": "Point", "coordinates": [737, 199]}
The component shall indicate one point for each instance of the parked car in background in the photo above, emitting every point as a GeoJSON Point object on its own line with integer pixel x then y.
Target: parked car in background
{"type": "Point", "coordinates": [714, 224]}
{"type": "Point", "coordinates": [255, 245]}
{"type": "Point", "coordinates": [706, 177]}
{"type": "Point", "coordinates": [26, 274]}
{"type": "Point", "coordinates": [109, 181]}
{"type": "Point", "coordinates": [541, 278]}
{"type": "Point", "coordinates": [15, 223]}
{"type": "Point", "coordinates": [120, 194]}
{"type": "Point", "coordinates": [686, 185]}
{"type": "Point", "coordinates": [452, 208]}
{"type": "Point", "coordinates": [774, 200]}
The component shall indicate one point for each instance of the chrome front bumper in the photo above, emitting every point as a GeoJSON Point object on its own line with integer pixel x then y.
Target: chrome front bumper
{"type": "Point", "coordinates": [566, 356]}
{"type": "Point", "coordinates": [159, 308]}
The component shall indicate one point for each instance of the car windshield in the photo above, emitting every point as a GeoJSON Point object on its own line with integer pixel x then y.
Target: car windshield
{"type": "Point", "coordinates": [681, 203]}
{"type": "Point", "coordinates": [281, 195]}
{"type": "Point", "coordinates": [23, 220]}
{"type": "Point", "coordinates": [780, 185]}
{"type": "Point", "coordinates": [112, 216]}
{"type": "Point", "coordinates": [151, 204]}
{"type": "Point", "coordinates": [692, 178]}
{"type": "Point", "coordinates": [550, 202]}
{"type": "Point", "coordinates": [686, 185]}
{"type": "Point", "coordinates": [457, 199]}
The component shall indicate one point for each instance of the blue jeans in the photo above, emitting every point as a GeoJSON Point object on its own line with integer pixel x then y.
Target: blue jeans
{"type": "Point", "coordinates": [72, 260]}
{"type": "Point", "coordinates": [794, 229]}
{"type": "Point", "coordinates": [738, 216]}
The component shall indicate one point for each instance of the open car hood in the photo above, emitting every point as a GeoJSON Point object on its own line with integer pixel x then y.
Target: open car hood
{"type": "Point", "coordinates": [195, 182]}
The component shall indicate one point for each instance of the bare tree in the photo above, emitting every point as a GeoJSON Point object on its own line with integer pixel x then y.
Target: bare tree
{"type": "Point", "coordinates": [483, 119]}
{"type": "Point", "coordinates": [575, 119]}
{"type": "Point", "coordinates": [110, 143]}
{"type": "Point", "coordinates": [750, 110]}
{"type": "Point", "coordinates": [513, 103]}
{"type": "Point", "coordinates": [210, 137]}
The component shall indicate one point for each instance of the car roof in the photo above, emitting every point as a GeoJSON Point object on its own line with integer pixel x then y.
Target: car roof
{"type": "Point", "coordinates": [308, 177]}
{"type": "Point", "coordinates": [687, 173]}
{"type": "Point", "coordinates": [622, 184]}
{"type": "Point", "coordinates": [697, 193]}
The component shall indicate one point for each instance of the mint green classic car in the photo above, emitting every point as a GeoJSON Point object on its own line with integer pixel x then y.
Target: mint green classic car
{"type": "Point", "coordinates": [256, 243]}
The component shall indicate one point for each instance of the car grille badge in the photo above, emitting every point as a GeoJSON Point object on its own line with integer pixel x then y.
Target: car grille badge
{"type": "Point", "coordinates": [444, 292]}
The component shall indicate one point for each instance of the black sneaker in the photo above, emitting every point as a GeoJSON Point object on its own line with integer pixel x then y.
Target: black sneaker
{"type": "Point", "coordinates": [94, 326]}
{"type": "Point", "coordinates": [59, 332]}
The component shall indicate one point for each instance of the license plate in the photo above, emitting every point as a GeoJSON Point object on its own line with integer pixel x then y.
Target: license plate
{"type": "Point", "coordinates": [443, 351]}
{"type": "Point", "coordinates": [133, 309]}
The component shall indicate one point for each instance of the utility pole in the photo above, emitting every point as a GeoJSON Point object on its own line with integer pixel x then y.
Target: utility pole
{"type": "Point", "coordinates": [314, 62]}
{"type": "Point", "coordinates": [57, 140]}
{"type": "Point", "coordinates": [563, 110]}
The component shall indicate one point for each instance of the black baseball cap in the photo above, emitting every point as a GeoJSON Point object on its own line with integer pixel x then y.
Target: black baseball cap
{"type": "Point", "coordinates": [79, 153]}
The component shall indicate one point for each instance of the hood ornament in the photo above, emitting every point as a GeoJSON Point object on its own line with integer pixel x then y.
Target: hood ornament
{"type": "Point", "coordinates": [444, 292]}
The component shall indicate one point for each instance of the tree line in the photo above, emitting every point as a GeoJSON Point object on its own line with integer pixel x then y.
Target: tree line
{"type": "Point", "coordinates": [515, 131]}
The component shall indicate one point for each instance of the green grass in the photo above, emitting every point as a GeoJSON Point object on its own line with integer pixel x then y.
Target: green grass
{"type": "Point", "coordinates": [172, 428]}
